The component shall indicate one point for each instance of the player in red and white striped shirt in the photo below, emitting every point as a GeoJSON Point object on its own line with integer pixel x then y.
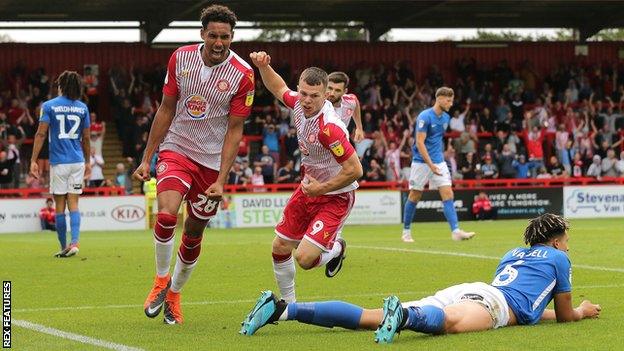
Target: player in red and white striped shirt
{"type": "Point", "coordinates": [319, 207]}
{"type": "Point", "coordinates": [346, 105]}
{"type": "Point", "coordinates": [207, 95]}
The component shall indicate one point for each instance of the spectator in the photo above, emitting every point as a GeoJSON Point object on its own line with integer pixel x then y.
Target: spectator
{"type": "Point", "coordinates": [482, 207]}
{"type": "Point", "coordinates": [469, 166]}
{"type": "Point", "coordinates": [122, 178]}
{"type": "Point", "coordinates": [91, 88]}
{"type": "Point", "coordinates": [6, 170]}
{"type": "Point", "coordinates": [270, 138]}
{"type": "Point", "coordinates": [287, 174]}
{"type": "Point", "coordinates": [257, 180]}
{"type": "Point", "coordinates": [609, 165]}
{"type": "Point", "coordinates": [13, 153]}
{"type": "Point", "coordinates": [554, 167]}
{"type": "Point", "coordinates": [502, 110]}
{"type": "Point", "coordinates": [533, 141]}
{"type": "Point", "coordinates": [98, 131]}
{"type": "Point", "coordinates": [375, 173]}
{"type": "Point", "coordinates": [567, 155]}
{"type": "Point", "coordinates": [595, 169]}
{"type": "Point", "coordinates": [236, 176]}
{"type": "Point", "coordinates": [543, 173]}
{"type": "Point", "coordinates": [489, 170]}
{"type": "Point", "coordinates": [451, 163]}
{"type": "Point", "coordinates": [505, 161]}
{"type": "Point", "coordinates": [577, 168]}
{"type": "Point", "coordinates": [97, 176]}
{"type": "Point", "coordinates": [47, 216]}
{"type": "Point", "coordinates": [247, 172]}
{"type": "Point", "coordinates": [619, 166]}
{"type": "Point", "coordinates": [522, 167]}
{"type": "Point", "coordinates": [267, 164]}
{"type": "Point", "coordinates": [457, 123]}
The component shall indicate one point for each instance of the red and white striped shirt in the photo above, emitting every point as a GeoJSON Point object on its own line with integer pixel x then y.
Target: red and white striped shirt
{"type": "Point", "coordinates": [206, 98]}
{"type": "Point", "coordinates": [348, 104]}
{"type": "Point", "coordinates": [323, 141]}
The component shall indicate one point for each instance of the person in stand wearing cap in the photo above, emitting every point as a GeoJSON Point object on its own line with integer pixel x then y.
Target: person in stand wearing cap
{"type": "Point", "coordinates": [489, 170]}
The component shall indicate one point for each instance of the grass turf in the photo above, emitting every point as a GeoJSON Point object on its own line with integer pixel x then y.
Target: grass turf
{"type": "Point", "coordinates": [100, 292]}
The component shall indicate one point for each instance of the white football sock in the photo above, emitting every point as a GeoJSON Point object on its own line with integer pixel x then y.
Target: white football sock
{"type": "Point", "coordinates": [285, 277]}
{"type": "Point", "coordinates": [164, 251]}
{"type": "Point", "coordinates": [181, 273]}
{"type": "Point", "coordinates": [328, 255]}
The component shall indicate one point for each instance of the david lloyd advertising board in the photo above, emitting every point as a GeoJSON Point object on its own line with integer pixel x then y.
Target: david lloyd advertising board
{"type": "Point", "coordinates": [98, 213]}
{"type": "Point", "coordinates": [509, 203]}
{"type": "Point", "coordinates": [593, 201]}
{"type": "Point", "coordinates": [265, 209]}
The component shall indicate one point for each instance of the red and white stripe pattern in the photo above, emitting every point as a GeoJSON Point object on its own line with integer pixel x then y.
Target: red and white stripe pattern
{"type": "Point", "coordinates": [348, 104]}
{"type": "Point", "coordinates": [318, 161]}
{"type": "Point", "coordinates": [204, 102]}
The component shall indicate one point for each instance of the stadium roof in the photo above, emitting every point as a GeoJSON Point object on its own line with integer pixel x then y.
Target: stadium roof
{"type": "Point", "coordinates": [378, 16]}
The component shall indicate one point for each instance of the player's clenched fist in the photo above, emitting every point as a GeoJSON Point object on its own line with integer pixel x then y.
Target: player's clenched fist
{"type": "Point", "coordinates": [260, 59]}
{"type": "Point", "coordinates": [142, 172]}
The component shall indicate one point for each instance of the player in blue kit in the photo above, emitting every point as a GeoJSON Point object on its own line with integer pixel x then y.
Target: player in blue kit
{"type": "Point", "coordinates": [428, 165]}
{"type": "Point", "coordinates": [67, 121]}
{"type": "Point", "coordinates": [525, 282]}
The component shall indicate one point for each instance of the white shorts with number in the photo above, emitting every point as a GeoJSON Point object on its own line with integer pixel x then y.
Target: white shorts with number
{"type": "Point", "coordinates": [484, 294]}
{"type": "Point", "coordinates": [420, 174]}
{"type": "Point", "coordinates": [67, 178]}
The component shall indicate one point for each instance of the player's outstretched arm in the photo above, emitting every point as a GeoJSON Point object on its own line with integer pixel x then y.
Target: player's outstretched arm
{"type": "Point", "coordinates": [86, 151]}
{"type": "Point", "coordinates": [565, 313]}
{"type": "Point", "coordinates": [272, 81]}
{"type": "Point", "coordinates": [40, 135]}
{"type": "Point", "coordinates": [233, 136]}
{"type": "Point", "coordinates": [160, 126]}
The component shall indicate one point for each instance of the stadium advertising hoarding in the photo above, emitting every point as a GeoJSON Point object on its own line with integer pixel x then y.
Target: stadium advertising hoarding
{"type": "Point", "coordinates": [509, 203]}
{"type": "Point", "coordinates": [98, 213]}
{"type": "Point", "coordinates": [593, 201]}
{"type": "Point", "coordinates": [265, 209]}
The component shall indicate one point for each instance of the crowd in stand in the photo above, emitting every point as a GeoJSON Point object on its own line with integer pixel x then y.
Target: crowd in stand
{"type": "Point", "coordinates": [507, 122]}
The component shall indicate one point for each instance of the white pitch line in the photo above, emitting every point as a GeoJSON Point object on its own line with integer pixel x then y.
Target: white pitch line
{"type": "Point", "coordinates": [75, 337]}
{"type": "Point", "coordinates": [462, 254]}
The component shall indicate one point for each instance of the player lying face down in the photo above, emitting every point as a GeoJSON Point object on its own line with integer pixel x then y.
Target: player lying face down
{"type": "Point", "coordinates": [521, 290]}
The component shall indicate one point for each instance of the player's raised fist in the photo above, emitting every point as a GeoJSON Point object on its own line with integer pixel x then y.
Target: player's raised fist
{"type": "Point", "coordinates": [260, 58]}
{"type": "Point", "coordinates": [142, 172]}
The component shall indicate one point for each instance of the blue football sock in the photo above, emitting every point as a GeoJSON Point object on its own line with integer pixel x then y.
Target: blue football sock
{"type": "Point", "coordinates": [61, 229]}
{"type": "Point", "coordinates": [74, 217]}
{"type": "Point", "coordinates": [451, 214]}
{"type": "Point", "coordinates": [408, 213]}
{"type": "Point", "coordinates": [326, 314]}
{"type": "Point", "coordinates": [425, 319]}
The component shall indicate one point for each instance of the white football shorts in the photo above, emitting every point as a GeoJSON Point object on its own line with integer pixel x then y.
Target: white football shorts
{"type": "Point", "coordinates": [67, 178]}
{"type": "Point", "coordinates": [484, 294]}
{"type": "Point", "coordinates": [420, 174]}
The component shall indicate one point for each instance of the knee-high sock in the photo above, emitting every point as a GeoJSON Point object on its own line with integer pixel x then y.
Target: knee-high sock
{"type": "Point", "coordinates": [326, 314]}
{"type": "Point", "coordinates": [408, 213]}
{"type": "Point", "coordinates": [163, 242]}
{"type": "Point", "coordinates": [186, 261]}
{"type": "Point", "coordinates": [450, 214]}
{"type": "Point", "coordinates": [425, 319]}
{"type": "Point", "coordinates": [284, 269]}
{"type": "Point", "coordinates": [328, 255]}
{"type": "Point", "coordinates": [61, 229]}
{"type": "Point", "coordinates": [74, 218]}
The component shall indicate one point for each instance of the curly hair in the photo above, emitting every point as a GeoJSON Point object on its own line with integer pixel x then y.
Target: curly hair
{"type": "Point", "coordinates": [217, 13]}
{"type": "Point", "coordinates": [70, 83]}
{"type": "Point", "coordinates": [545, 227]}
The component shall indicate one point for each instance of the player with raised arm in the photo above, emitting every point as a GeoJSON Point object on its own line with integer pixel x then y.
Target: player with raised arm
{"type": "Point", "coordinates": [526, 280]}
{"type": "Point", "coordinates": [346, 105]}
{"type": "Point", "coordinates": [428, 165]}
{"type": "Point", "coordinates": [207, 95]}
{"type": "Point", "coordinates": [65, 121]}
{"type": "Point", "coordinates": [319, 207]}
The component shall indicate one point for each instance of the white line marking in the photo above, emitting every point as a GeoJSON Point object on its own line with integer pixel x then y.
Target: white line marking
{"type": "Point", "coordinates": [462, 254]}
{"type": "Point", "coordinates": [71, 336]}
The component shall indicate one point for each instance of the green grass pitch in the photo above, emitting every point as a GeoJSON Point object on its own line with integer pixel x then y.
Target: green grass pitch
{"type": "Point", "coordinates": [99, 293]}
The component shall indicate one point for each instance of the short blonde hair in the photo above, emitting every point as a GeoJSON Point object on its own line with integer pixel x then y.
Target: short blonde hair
{"type": "Point", "coordinates": [444, 91]}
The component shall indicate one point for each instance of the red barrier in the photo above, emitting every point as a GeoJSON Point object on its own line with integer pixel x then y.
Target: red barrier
{"type": "Point", "coordinates": [42, 192]}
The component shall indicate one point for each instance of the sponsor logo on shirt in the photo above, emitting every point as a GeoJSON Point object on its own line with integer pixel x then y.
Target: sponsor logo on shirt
{"type": "Point", "coordinates": [196, 106]}
{"type": "Point", "coordinates": [326, 131]}
{"type": "Point", "coordinates": [421, 124]}
{"type": "Point", "coordinates": [337, 148]}
{"type": "Point", "coordinates": [249, 98]}
{"type": "Point", "coordinates": [223, 85]}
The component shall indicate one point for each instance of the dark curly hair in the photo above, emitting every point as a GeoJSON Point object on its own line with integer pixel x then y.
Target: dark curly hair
{"type": "Point", "coordinates": [70, 83]}
{"type": "Point", "coordinates": [217, 13]}
{"type": "Point", "coordinates": [545, 227]}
